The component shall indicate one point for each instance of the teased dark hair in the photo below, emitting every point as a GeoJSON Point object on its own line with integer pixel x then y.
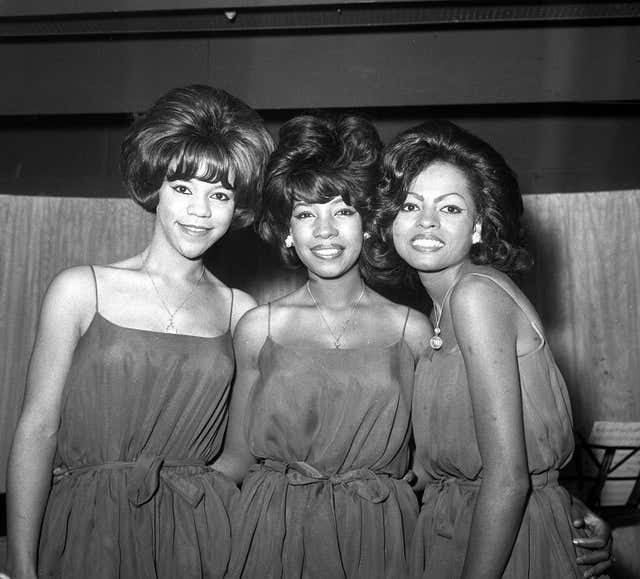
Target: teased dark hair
{"type": "Point", "coordinates": [493, 184]}
{"type": "Point", "coordinates": [319, 156]}
{"type": "Point", "coordinates": [197, 132]}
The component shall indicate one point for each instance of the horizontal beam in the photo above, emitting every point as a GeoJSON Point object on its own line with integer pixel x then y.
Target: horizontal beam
{"type": "Point", "coordinates": [265, 15]}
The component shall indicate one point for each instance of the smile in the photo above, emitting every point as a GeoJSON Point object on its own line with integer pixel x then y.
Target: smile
{"type": "Point", "coordinates": [195, 230]}
{"type": "Point", "coordinates": [327, 251]}
{"type": "Point", "coordinates": [426, 244]}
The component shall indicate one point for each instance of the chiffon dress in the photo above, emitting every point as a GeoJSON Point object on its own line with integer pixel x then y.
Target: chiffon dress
{"type": "Point", "coordinates": [142, 414]}
{"type": "Point", "coordinates": [447, 449]}
{"type": "Point", "coordinates": [331, 430]}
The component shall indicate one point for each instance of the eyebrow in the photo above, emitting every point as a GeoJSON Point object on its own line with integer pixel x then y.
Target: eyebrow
{"type": "Point", "coordinates": [437, 199]}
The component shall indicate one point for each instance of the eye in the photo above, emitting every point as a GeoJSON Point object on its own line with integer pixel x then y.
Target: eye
{"type": "Point", "coordinates": [303, 215]}
{"type": "Point", "coordinates": [182, 189]}
{"type": "Point", "coordinates": [452, 209]}
{"type": "Point", "coordinates": [220, 196]}
{"type": "Point", "coordinates": [348, 211]}
{"type": "Point", "coordinates": [408, 206]}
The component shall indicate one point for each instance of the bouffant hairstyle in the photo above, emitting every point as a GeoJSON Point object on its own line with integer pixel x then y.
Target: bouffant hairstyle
{"type": "Point", "coordinates": [319, 156]}
{"type": "Point", "coordinates": [197, 132]}
{"type": "Point", "coordinates": [493, 184]}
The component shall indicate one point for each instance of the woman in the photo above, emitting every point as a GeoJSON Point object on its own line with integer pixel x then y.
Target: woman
{"type": "Point", "coordinates": [323, 391]}
{"type": "Point", "coordinates": [491, 415]}
{"type": "Point", "coordinates": [129, 377]}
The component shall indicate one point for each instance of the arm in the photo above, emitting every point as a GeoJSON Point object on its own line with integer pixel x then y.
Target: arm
{"type": "Point", "coordinates": [598, 541]}
{"type": "Point", "coordinates": [485, 325]}
{"type": "Point", "coordinates": [250, 334]}
{"type": "Point", "coordinates": [66, 305]}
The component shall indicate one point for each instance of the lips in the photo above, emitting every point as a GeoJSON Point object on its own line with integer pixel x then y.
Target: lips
{"type": "Point", "coordinates": [426, 244]}
{"type": "Point", "coordinates": [329, 251]}
{"type": "Point", "coordinates": [196, 230]}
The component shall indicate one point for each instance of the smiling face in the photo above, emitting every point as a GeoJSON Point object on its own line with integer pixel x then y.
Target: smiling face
{"type": "Point", "coordinates": [434, 227]}
{"type": "Point", "coordinates": [194, 214]}
{"type": "Point", "coordinates": [327, 236]}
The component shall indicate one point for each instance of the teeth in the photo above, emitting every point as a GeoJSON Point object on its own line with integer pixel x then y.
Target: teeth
{"type": "Point", "coordinates": [422, 243]}
{"type": "Point", "coordinates": [329, 252]}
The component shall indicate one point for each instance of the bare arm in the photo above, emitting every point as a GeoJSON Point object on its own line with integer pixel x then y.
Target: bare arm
{"type": "Point", "coordinates": [65, 308]}
{"type": "Point", "coordinates": [485, 326]}
{"type": "Point", "coordinates": [250, 334]}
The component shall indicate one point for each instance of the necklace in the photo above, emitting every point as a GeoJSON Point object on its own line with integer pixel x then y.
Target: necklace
{"type": "Point", "coordinates": [337, 338]}
{"type": "Point", "coordinates": [171, 326]}
{"type": "Point", "coordinates": [436, 341]}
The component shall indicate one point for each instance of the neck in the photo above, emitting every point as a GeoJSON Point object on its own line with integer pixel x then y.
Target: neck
{"type": "Point", "coordinates": [438, 283]}
{"type": "Point", "coordinates": [170, 264]}
{"type": "Point", "coordinates": [337, 293]}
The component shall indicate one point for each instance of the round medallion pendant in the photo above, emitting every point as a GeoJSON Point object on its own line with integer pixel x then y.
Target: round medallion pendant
{"type": "Point", "coordinates": [435, 342]}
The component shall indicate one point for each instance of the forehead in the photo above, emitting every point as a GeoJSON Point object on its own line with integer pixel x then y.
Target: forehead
{"type": "Point", "coordinates": [441, 178]}
{"type": "Point", "coordinates": [337, 200]}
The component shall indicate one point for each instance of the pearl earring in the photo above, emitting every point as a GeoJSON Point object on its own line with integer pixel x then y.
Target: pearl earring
{"type": "Point", "coordinates": [288, 241]}
{"type": "Point", "coordinates": [366, 235]}
{"type": "Point", "coordinates": [476, 238]}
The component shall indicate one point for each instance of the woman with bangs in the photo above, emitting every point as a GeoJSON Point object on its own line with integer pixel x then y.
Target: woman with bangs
{"type": "Point", "coordinates": [128, 383]}
{"type": "Point", "coordinates": [320, 409]}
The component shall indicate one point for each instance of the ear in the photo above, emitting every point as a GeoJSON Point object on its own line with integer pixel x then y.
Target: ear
{"type": "Point", "coordinates": [476, 236]}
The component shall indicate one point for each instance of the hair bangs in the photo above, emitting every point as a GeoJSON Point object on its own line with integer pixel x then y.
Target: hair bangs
{"type": "Point", "coordinates": [204, 160]}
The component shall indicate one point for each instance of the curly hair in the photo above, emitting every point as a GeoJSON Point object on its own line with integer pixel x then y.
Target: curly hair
{"type": "Point", "coordinates": [493, 184]}
{"type": "Point", "coordinates": [197, 132]}
{"type": "Point", "coordinates": [319, 156]}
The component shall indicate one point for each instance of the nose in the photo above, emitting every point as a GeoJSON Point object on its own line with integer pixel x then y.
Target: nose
{"type": "Point", "coordinates": [429, 217]}
{"type": "Point", "coordinates": [324, 227]}
{"type": "Point", "coordinates": [199, 206]}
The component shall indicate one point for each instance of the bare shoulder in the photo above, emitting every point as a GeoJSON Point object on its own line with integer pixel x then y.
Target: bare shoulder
{"type": "Point", "coordinates": [253, 328]}
{"type": "Point", "coordinates": [481, 290]}
{"type": "Point", "coordinates": [242, 303]}
{"type": "Point", "coordinates": [70, 297]}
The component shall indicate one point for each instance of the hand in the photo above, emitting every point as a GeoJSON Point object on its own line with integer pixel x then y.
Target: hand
{"type": "Point", "coordinates": [410, 477]}
{"type": "Point", "coordinates": [599, 543]}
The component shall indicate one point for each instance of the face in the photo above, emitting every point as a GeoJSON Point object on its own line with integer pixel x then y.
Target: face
{"type": "Point", "coordinates": [433, 229]}
{"type": "Point", "coordinates": [194, 214]}
{"type": "Point", "coordinates": [327, 236]}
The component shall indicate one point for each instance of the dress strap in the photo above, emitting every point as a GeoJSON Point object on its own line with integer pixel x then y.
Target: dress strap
{"type": "Point", "coordinates": [95, 286]}
{"type": "Point", "coordinates": [230, 310]}
{"type": "Point", "coordinates": [508, 291]}
{"type": "Point", "coordinates": [269, 319]}
{"type": "Point", "coordinates": [406, 320]}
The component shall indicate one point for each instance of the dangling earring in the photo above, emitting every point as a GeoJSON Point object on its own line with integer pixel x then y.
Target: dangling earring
{"type": "Point", "coordinates": [476, 237]}
{"type": "Point", "coordinates": [366, 235]}
{"type": "Point", "coordinates": [288, 241]}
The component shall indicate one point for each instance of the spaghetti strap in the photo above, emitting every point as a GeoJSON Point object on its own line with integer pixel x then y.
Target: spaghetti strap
{"type": "Point", "coordinates": [508, 291]}
{"type": "Point", "coordinates": [95, 286]}
{"type": "Point", "coordinates": [230, 310]}
{"type": "Point", "coordinates": [269, 320]}
{"type": "Point", "coordinates": [406, 320]}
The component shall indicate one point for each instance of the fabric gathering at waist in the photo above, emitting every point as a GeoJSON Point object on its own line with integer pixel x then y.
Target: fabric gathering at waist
{"type": "Point", "coordinates": [144, 478]}
{"type": "Point", "coordinates": [446, 509]}
{"type": "Point", "coordinates": [537, 481]}
{"type": "Point", "coordinates": [366, 483]}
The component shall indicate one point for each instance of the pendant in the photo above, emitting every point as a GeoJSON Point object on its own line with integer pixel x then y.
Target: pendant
{"type": "Point", "coordinates": [436, 342]}
{"type": "Point", "coordinates": [337, 344]}
{"type": "Point", "coordinates": [171, 327]}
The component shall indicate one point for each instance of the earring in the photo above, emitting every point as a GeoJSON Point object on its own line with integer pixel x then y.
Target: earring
{"type": "Point", "coordinates": [476, 237]}
{"type": "Point", "coordinates": [366, 235]}
{"type": "Point", "coordinates": [288, 241]}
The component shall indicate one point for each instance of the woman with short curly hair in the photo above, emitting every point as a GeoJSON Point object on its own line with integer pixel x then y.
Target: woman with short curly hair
{"type": "Point", "coordinates": [491, 414]}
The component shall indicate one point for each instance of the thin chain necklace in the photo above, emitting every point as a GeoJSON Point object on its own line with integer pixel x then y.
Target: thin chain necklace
{"type": "Point", "coordinates": [337, 338]}
{"type": "Point", "coordinates": [436, 341]}
{"type": "Point", "coordinates": [171, 326]}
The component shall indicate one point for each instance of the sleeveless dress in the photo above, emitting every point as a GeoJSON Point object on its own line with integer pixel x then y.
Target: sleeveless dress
{"type": "Point", "coordinates": [142, 414]}
{"type": "Point", "coordinates": [331, 431]}
{"type": "Point", "coordinates": [447, 449]}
